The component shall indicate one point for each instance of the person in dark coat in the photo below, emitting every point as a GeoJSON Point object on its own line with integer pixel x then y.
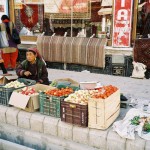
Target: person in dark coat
{"type": "Point", "coordinates": [33, 67]}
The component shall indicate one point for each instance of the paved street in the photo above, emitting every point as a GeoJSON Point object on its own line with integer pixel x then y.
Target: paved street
{"type": "Point", "coordinates": [127, 85]}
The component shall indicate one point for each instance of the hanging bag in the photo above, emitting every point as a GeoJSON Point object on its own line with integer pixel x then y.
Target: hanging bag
{"type": "Point", "coordinates": [3, 39]}
{"type": "Point", "coordinates": [15, 35]}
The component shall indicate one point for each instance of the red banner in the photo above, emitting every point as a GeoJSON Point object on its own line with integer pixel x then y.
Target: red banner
{"type": "Point", "coordinates": [122, 22]}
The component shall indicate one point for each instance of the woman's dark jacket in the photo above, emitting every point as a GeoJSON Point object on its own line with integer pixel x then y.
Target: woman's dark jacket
{"type": "Point", "coordinates": [38, 71]}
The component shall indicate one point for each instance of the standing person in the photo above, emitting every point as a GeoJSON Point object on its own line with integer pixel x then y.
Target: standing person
{"type": "Point", "coordinates": [9, 54]}
{"type": "Point", "coordinates": [33, 67]}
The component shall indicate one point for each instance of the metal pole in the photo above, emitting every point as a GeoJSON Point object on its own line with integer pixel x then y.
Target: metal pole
{"type": "Point", "coordinates": [71, 15]}
{"type": "Point", "coordinates": [134, 25]}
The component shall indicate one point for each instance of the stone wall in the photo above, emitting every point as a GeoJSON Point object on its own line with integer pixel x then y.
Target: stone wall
{"type": "Point", "coordinates": [47, 133]}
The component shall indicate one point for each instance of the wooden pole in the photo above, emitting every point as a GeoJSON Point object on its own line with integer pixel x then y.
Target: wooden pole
{"type": "Point", "coordinates": [134, 25]}
{"type": "Point", "coordinates": [11, 10]}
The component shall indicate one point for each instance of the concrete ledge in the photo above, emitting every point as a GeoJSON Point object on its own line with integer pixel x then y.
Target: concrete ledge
{"type": "Point", "coordinates": [3, 110]}
{"type": "Point", "coordinates": [24, 119]}
{"type": "Point", "coordinates": [6, 145]}
{"type": "Point", "coordinates": [44, 132]}
{"type": "Point", "coordinates": [12, 116]}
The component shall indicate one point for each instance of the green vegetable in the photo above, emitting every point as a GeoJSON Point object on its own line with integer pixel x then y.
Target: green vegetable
{"type": "Point", "coordinates": [54, 83]}
{"type": "Point", "coordinates": [146, 127]}
{"type": "Point", "coordinates": [135, 120]}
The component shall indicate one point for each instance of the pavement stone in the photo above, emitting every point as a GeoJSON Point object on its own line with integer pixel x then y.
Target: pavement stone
{"type": "Point", "coordinates": [65, 130]}
{"type": "Point", "coordinates": [6, 145]}
{"type": "Point", "coordinates": [137, 144]}
{"type": "Point", "coordinates": [115, 142]}
{"type": "Point", "coordinates": [24, 119]}
{"type": "Point", "coordinates": [147, 145]}
{"type": "Point", "coordinates": [36, 122]}
{"type": "Point", "coordinates": [3, 110]}
{"type": "Point", "coordinates": [81, 135]}
{"type": "Point", "coordinates": [98, 138]}
{"type": "Point", "coordinates": [51, 125]}
{"type": "Point", "coordinates": [12, 116]}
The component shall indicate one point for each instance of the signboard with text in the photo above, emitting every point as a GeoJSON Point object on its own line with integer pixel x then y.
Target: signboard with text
{"type": "Point", "coordinates": [122, 22]}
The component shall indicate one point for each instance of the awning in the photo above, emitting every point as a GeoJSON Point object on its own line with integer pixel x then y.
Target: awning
{"type": "Point", "coordinates": [105, 11]}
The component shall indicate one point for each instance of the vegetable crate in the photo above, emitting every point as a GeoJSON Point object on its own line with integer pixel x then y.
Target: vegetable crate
{"type": "Point", "coordinates": [50, 105]}
{"type": "Point", "coordinates": [5, 93]}
{"type": "Point", "coordinates": [74, 113]}
{"type": "Point", "coordinates": [103, 112]}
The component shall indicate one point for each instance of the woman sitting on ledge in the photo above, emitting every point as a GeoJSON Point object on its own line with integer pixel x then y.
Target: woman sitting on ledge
{"type": "Point", "coordinates": [33, 67]}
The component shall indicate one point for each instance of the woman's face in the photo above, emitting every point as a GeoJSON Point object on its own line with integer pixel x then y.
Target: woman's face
{"type": "Point", "coordinates": [30, 56]}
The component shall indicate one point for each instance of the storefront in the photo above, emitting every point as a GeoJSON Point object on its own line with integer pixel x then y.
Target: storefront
{"type": "Point", "coordinates": [86, 18]}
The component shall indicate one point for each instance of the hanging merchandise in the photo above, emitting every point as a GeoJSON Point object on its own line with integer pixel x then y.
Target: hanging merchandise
{"type": "Point", "coordinates": [31, 16]}
{"type": "Point", "coordinates": [3, 39]}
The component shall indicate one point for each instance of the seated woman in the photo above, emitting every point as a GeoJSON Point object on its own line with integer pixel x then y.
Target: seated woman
{"type": "Point", "coordinates": [33, 67]}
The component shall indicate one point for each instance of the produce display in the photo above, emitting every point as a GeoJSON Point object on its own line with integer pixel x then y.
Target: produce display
{"type": "Point", "coordinates": [82, 96]}
{"type": "Point", "coordinates": [28, 91]}
{"type": "Point", "coordinates": [143, 121]}
{"type": "Point", "coordinates": [104, 92]}
{"type": "Point", "coordinates": [14, 84]}
{"type": "Point", "coordinates": [60, 92]}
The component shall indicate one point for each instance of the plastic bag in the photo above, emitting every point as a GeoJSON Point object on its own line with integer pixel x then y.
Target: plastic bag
{"type": "Point", "coordinates": [3, 39]}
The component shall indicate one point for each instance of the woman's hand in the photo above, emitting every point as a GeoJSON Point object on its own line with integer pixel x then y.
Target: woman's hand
{"type": "Point", "coordinates": [27, 73]}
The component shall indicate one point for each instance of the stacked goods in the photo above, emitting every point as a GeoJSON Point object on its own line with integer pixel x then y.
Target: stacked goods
{"type": "Point", "coordinates": [74, 108]}
{"type": "Point", "coordinates": [104, 107]}
{"type": "Point", "coordinates": [6, 91]}
{"type": "Point", "coordinates": [80, 97]}
{"type": "Point", "coordinates": [50, 100]}
{"type": "Point", "coordinates": [28, 91]}
{"type": "Point", "coordinates": [27, 98]}
{"type": "Point", "coordinates": [14, 84]}
{"type": "Point", "coordinates": [60, 92]}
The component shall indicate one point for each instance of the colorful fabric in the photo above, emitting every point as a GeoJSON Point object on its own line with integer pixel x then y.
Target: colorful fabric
{"type": "Point", "coordinates": [31, 16]}
{"type": "Point", "coordinates": [142, 51]}
{"type": "Point", "coordinates": [10, 58]}
{"type": "Point", "coordinates": [85, 51]}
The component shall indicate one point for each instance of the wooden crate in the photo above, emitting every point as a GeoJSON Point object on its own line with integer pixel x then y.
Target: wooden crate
{"type": "Point", "coordinates": [74, 113]}
{"type": "Point", "coordinates": [103, 112]}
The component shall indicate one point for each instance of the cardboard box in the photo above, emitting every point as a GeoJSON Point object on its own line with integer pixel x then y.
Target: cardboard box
{"type": "Point", "coordinates": [25, 102]}
{"type": "Point", "coordinates": [6, 79]}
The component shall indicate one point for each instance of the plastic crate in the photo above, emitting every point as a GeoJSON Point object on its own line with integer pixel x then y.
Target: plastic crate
{"type": "Point", "coordinates": [74, 113]}
{"type": "Point", "coordinates": [5, 93]}
{"type": "Point", "coordinates": [50, 105]}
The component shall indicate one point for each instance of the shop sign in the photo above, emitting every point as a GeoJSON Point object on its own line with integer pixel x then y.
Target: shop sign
{"type": "Point", "coordinates": [122, 21]}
